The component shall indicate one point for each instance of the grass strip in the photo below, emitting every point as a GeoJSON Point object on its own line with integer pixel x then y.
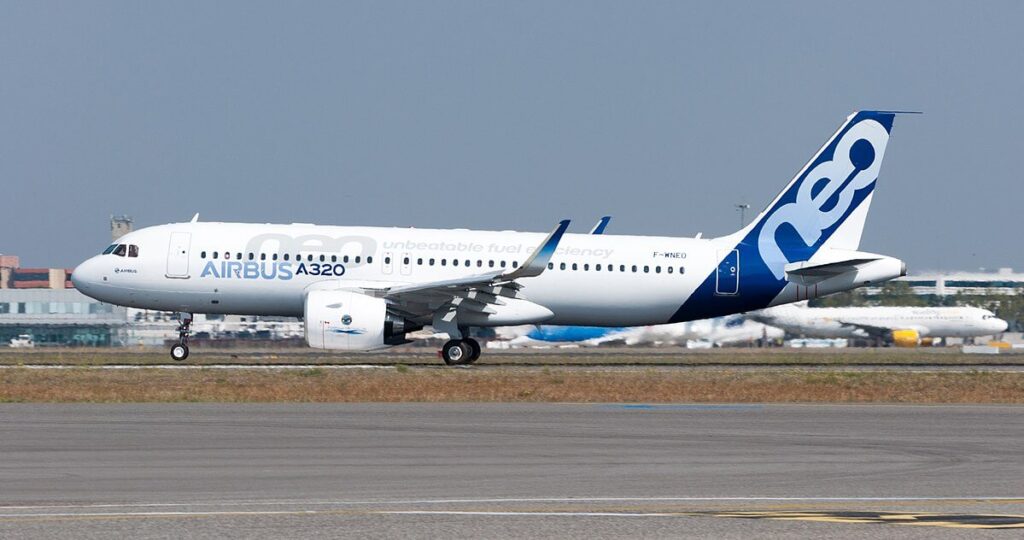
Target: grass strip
{"type": "Point", "coordinates": [507, 385]}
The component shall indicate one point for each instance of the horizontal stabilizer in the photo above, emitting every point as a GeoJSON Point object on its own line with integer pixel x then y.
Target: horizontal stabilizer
{"type": "Point", "coordinates": [828, 265]}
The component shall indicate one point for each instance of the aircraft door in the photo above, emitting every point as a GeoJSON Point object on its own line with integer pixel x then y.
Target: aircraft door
{"type": "Point", "coordinates": [406, 264]}
{"type": "Point", "coordinates": [387, 264]}
{"type": "Point", "coordinates": [728, 276]}
{"type": "Point", "coordinates": [177, 255]}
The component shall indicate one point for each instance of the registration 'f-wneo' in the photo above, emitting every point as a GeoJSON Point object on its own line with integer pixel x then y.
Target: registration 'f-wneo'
{"type": "Point", "coordinates": [362, 288]}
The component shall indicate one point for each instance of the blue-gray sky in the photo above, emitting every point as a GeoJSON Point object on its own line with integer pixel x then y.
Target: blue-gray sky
{"type": "Point", "coordinates": [502, 115]}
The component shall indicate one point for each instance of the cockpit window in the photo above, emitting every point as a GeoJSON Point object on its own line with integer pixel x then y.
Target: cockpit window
{"type": "Point", "coordinates": [133, 250]}
{"type": "Point", "coordinates": [120, 250]}
{"type": "Point", "coordinates": [110, 249]}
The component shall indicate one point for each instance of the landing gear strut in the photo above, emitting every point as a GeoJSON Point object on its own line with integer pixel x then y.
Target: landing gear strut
{"type": "Point", "coordinates": [460, 352]}
{"type": "Point", "coordinates": [179, 351]}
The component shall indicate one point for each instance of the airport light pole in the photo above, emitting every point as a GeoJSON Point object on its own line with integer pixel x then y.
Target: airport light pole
{"type": "Point", "coordinates": [743, 213]}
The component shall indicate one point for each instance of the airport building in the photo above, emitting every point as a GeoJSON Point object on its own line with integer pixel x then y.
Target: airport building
{"type": "Point", "coordinates": [1003, 281]}
{"type": "Point", "coordinates": [51, 316]}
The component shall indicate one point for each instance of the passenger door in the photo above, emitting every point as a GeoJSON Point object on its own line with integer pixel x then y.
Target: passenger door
{"type": "Point", "coordinates": [177, 255]}
{"type": "Point", "coordinates": [728, 280]}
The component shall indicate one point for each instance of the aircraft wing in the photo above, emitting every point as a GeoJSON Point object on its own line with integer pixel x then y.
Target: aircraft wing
{"type": "Point", "coordinates": [481, 293]}
{"type": "Point", "coordinates": [884, 332]}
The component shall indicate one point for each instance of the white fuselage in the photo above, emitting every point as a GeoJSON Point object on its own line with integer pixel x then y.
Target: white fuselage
{"type": "Point", "coordinates": [860, 322]}
{"type": "Point", "coordinates": [267, 269]}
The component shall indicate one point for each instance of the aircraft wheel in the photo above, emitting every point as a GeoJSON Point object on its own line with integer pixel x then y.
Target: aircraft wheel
{"type": "Point", "coordinates": [456, 352]}
{"type": "Point", "coordinates": [474, 350]}
{"type": "Point", "coordinates": [179, 352]}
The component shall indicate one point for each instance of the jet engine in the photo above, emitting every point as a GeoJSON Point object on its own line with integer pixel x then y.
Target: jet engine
{"type": "Point", "coordinates": [906, 338]}
{"type": "Point", "coordinates": [350, 321]}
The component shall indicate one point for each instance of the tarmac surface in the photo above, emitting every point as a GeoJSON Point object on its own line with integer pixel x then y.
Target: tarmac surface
{"type": "Point", "coordinates": [509, 470]}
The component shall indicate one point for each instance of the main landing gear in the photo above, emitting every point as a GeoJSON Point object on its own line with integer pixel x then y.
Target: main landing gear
{"type": "Point", "coordinates": [179, 351]}
{"type": "Point", "coordinates": [460, 352]}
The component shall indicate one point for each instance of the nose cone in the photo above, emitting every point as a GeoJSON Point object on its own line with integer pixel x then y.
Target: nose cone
{"type": "Point", "coordinates": [999, 326]}
{"type": "Point", "coordinates": [87, 276]}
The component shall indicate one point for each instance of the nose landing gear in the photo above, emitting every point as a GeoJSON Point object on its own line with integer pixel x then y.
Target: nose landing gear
{"type": "Point", "coordinates": [179, 351]}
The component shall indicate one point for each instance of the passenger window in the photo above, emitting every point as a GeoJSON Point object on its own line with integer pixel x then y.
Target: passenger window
{"type": "Point", "coordinates": [369, 259]}
{"type": "Point", "coordinates": [133, 250]}
{"type": "Point", "coordinates": [681, 269]}
{"type": "Point", "coordinates": [657, 269]}
{"type": "Point", "coordinates": [503, 264]}
{"type": "Point", "coordinates": [467, 263]}
{"type": "Point", "coordinates": [344, 258]}
{"type": "Point", "coordinates": [227, 255]}
{"type": "Point", "coordinates": [215, 254]}
{"type": "Point", "coordinates": [387, 260]}
{"type": "Point", "coordinates": [622, 268]}
{"type": "Point", "coordinates": [252, 255]}
{"type": "Point", "coordinates": [309, 257]}
{"type": "Point", "coordinates": [443, 263]}
{"type": "Point", "coordinates": [586, 267]}
{"type": "Point", "coordinates": [323, 258]}
{"type": "Point", "coordinates": [263, 256]}
{"type": "Point", "coordinates": [120, 250]}
{"type": "Point", "coordinates": [273, 256]}
{"type": "Point", "coordinates": [334, 258]}
{"type": "Point", "coordinates": [647, 269]}
{"type": "Point", "coordinates": [202, 255]}
{"type": "Point", "coordinates": [551, 265]}
{"type": "Point", "coordinates": [668, 269]}
{"type": "Point", "coordinates": [455, 262]}
{"type": "Point", "coordinates": [110, 249]}
{"type": "Point", "coordinates": [574, 267]}
{"type": "Point", "coordinates": [431, 262]}
{"type": "Point", "coordinates": [634, 268]}
{"type": "Point", "coordinates": [358, 259]}
{"type": "Point", "coordinates": [561, 266]}
{"type": "Point", "coordinates": [286, 256]}
{"type": "Point", "coordinates": [238, 256]}
{"type": "Point", "coordinates": [598, 268]}
{"type": "Point", "coordinates": [419, 262]}
{"type": "Point", "coordinates": [405, 260]}
{"type": "Point", "coordinates": [515, 264]}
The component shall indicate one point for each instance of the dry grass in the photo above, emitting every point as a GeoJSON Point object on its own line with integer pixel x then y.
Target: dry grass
{"type": "Point", "coordinates": [506, 385]}
{"type": "Point", "coordinates": [553, 357]}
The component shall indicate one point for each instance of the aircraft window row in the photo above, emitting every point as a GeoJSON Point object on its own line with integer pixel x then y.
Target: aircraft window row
{"type": "Point", "coordinates": [227, 255]}
{"type": "Point", "coordinates": [622, 268]}
{"type": "Point", "coordinates": [457, 262]}
{"type": "Point", "coordinates": [122, 250]}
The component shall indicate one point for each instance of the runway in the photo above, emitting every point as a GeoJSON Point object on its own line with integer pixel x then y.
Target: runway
{"type": "Point", "coordinates": [508, 470]}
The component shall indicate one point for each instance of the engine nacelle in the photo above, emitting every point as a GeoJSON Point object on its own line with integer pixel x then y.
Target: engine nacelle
{"type": "Point", "coordinates": [906, 338]}
{"type": "Point", "coordinates": [350, 321]}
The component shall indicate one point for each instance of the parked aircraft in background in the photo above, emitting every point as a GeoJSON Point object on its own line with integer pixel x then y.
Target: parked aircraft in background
{"type": "Point", "coordinates": [903, 326]}
{"type": "Point", "coordinates": [361, 288]}
{"type": "Point", "coordinates": [731, 329]}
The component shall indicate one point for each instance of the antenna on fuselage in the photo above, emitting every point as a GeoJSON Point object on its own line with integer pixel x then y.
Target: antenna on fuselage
{"type": "Point", "coordinates": [195, 218]}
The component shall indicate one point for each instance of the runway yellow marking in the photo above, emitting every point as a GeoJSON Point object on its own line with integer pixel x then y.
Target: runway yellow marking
{"type": "Point", "coordinates": [958, 521]}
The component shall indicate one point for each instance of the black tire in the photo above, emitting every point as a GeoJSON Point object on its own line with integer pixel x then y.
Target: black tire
{"type": "Point", "coordinates": [179, 352]}
{"type": "Point", "coordinates": [455, 352]}
{"type": "Point", "coordinates": [474, 350]}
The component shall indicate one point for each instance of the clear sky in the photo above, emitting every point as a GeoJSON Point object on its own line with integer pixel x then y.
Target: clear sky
{"type": "Point", "coordinates": [503, 115]}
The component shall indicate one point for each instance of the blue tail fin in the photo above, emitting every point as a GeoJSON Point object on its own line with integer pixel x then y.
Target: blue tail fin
{"type": "Point", "coordinates": [826, 203]}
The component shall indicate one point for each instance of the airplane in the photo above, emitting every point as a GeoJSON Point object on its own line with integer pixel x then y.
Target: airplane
{"type": "Point", "coordinates": [718, 331]}
{"type": "Point", "coordinates": [365, 288]}
{"type": "Point", "coordinates": [903, 326]}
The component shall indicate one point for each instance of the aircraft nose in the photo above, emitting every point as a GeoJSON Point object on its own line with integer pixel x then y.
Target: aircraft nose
{"type": "Point", "coordinates": [86, 275]}
{"type": "Point", "coordinates": [1000, 326]}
